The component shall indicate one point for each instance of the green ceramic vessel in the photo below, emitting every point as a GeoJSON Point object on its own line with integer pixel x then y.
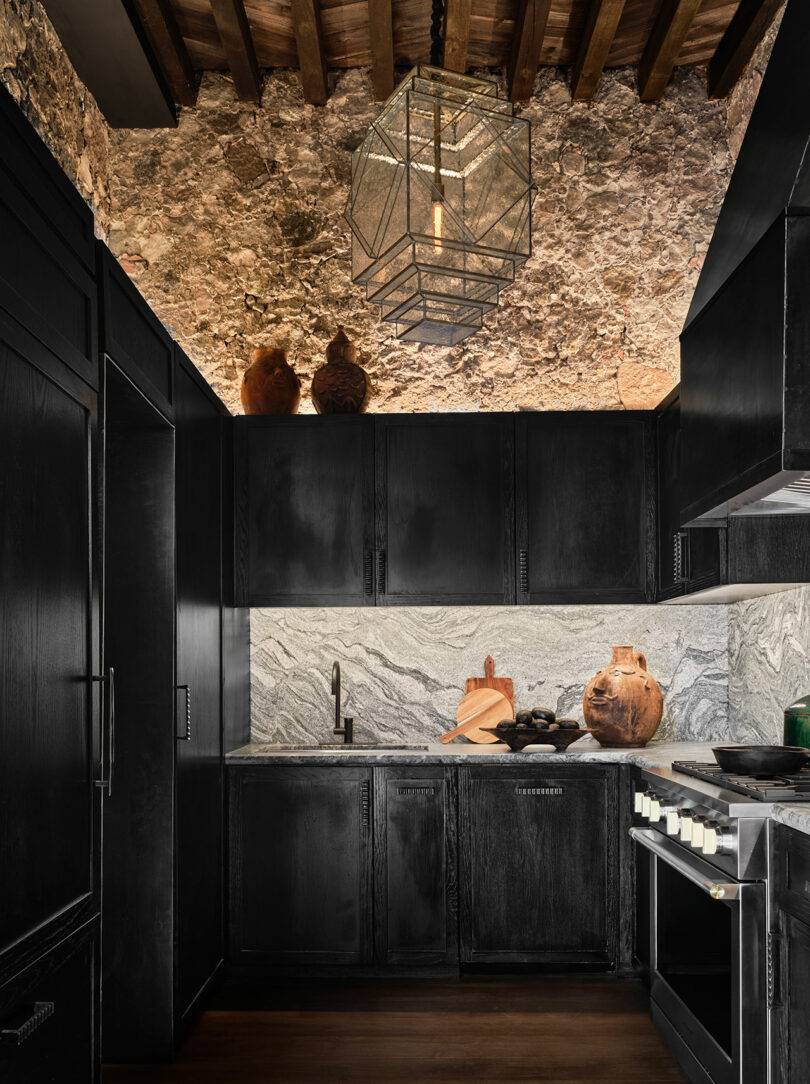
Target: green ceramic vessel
{"type": "Point", "coordinates": [797, 723]}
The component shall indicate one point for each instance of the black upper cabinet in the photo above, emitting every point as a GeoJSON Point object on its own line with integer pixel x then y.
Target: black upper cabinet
{"type": "Point", "coordinates": [49, 583]}
{"type": "Point", "coordinates": [304, 519]}
{"type": "Point", "coordinates": [199, 776]}
{"type": "Point", "coordinates": [133, 336]}
{"type": "Point", "coordinates": [539, 869]}
{"type": "Point", "coordinates": [585, 500]}
{"type": "Point", "coordinates": [445, 509]}
{"type": "Point", "coordinates": [46, 279]}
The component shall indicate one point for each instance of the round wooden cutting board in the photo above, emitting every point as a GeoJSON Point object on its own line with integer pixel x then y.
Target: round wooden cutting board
{"type": "Point", "coordinates": [482, 707]}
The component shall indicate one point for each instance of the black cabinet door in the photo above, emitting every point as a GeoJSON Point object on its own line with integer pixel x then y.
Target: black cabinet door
{"type": "Point", "coordinates": [55, 1001]}
{"type": "Point", "coordinates": [445, 509]}
{"type": "Point", "coordinates": [585, 498]}
{"type": "Point", "coordinates": [539, 866]}
{"type": "Point", "coordinates": [415, 896]}
{"type": "Point", "coordinates": [49, 806]}
{"type": "Point", "coordinates": [199, 773]}
{"type": "Point", "coordinates": [790, 955]}
{"type": "Point", "coordinates": [300, 865]}
{"type": "Point", "coordinates": [304, 511]}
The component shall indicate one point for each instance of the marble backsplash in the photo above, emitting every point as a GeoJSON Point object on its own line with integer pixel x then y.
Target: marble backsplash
{"type": "Point", "coordinates": [404, 669]}
{"type": "Point", "coordinates": [769, 662]}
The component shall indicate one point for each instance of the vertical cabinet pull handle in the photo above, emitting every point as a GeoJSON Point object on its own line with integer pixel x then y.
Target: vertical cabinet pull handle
{"type": "Point", "coordinates": [774, 970]}
{"type": "Point", "coordinates": [365, 803]}
{"type": "Point", "coordinates": [381, 572]}
{"type": "Point", "coordinates": [368, 573]}
{"type": "Point", "coordinates": [523, 565]}
{"type": "Point", "coordinates": [104, 782]}
{"type": "Point", "coordinates": [680, 551]}
{"type": "Point", "coordinates": [187, 735]}
{"type": "Point", "coordinates": [13, 1034]}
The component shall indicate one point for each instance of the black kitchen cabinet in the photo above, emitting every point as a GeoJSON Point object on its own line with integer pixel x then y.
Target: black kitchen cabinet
{"type": "Point", "coordinates": [301, 865]}
{"type": "Point", "coordinates": [444, 509]}
{"type": "Point", "coordinates": [539, 867]}
{"type": "Point", "coordinates": [49, 703]}
{"type": "Point", "coordinates": [689, 559]}
{"type": "Point", "coordinates": [199, 790]}
{"type": "Point", "coordinates": [304, 511]}
{"type": "Point", "coordinates": [133, 336]}
{"type": "Point", "coordinates": [585, 506]}
{"type": "Point", "coordinates": [53, 1003]}
{"type": "Point", "coordinates": [789, 953]}
{"type": "Point", "coordinates": [415, 889]}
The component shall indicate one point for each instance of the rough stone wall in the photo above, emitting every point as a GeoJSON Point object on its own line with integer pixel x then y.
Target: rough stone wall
{"type": "Point", "coordinates": [231, 226]}
{"type": "Point", "coordinates": [35, 69]}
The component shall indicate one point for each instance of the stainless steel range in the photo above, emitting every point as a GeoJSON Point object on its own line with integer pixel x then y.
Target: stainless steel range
{"type": "Point", "coordinates": [702, 871]}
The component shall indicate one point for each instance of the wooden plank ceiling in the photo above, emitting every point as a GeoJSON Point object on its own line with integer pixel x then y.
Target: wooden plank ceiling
{"type": "Point", "coordinates": [389, 36]}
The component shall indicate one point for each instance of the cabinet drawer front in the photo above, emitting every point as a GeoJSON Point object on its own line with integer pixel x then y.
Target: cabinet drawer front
{"type": "Point", "coordinates": [45, 287]}
{"type": "Point", "coordinates": [538, 865]}
{"type": "Point", "coordinates": [133, 336]}
{"type": "Point", "coordinates": [48, 1017]}
{"type": "Point", "coordinates": [49, 630]}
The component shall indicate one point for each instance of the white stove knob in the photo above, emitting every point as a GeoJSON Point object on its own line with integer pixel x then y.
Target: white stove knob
{"type": "Point", "coordinates": [673, 822]}
{"type": "Point", "coordinates": [711, 834]}
{"type": "Point", "coordinates": [646, 802]}
{"type": "Point", "coordinates": [685, 825]}
{"type": "Point", "coordinates": [698, 831]}
{"type": "Point", "coordinates": [655, 809]}
{"type": "Point", "coordinates": [637, 797]}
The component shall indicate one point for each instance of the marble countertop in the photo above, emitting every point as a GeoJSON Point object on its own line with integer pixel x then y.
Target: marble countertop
{"type": "Point", "coordinates": [657, 756]}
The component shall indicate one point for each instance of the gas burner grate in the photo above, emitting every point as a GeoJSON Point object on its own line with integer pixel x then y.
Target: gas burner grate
{"type": "Point", "coordinates": [777, 788]}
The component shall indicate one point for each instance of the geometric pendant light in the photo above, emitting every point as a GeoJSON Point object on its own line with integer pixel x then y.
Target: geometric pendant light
{"type": "Point", "coordinates": [440, 204]}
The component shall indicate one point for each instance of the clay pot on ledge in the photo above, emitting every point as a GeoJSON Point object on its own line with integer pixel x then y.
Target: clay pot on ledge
{"type": "Point", "coordinates": [340, 386]}
{"type": "Point", "coordinates": [623, 703]}
{"type": "Point", "coordinates": [270, 384]}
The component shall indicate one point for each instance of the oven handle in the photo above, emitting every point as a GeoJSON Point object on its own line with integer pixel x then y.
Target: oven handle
{"type": "Point", "coordinates": [668, 853]}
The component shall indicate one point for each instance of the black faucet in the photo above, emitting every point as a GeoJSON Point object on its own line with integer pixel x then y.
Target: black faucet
{"type": "Point", "coordinates": [348, 723]}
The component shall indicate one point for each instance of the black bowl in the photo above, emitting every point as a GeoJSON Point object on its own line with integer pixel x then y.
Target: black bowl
{"type": "Point", "coordinates": [518, 737]}
{"type": "Point", "coordinates": [761, 759]}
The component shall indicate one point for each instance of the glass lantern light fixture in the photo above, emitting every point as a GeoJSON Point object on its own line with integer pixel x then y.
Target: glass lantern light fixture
{"type": "Point", "coordinates": [440, 204]}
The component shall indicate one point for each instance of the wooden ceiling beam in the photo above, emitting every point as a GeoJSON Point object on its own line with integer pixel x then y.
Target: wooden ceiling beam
{"type": "Point", "coordinates": [456, 35]}
{"type": "Point", "coordinates": [381, 35]}
{"type": "Point", "coordinates": [524, 59]}
{"type": "Point", "coordinates": [745, 31]}
{"type": "Point", "coordinates": [663, 47]}
{"type": "Point", "coordinates": [600, 30]}
{"type": "Point", "coordinates": [234, 33]}
{"type": "Point", "coordinates": [167, 41]}
{"type": "Point", "coordinates": [306, 16]}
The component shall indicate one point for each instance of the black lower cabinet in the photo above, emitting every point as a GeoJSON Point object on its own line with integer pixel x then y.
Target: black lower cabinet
{"type": "Point", "coordinates": [48, 1016]}
{"type": "Point", "coordinates": [790, 955]}
{"type": "Point", "coordinates": [415, 890]}
{"type": "Point", "coordinates": [300, 847]}
{"type": "Point", "coordinates": [539, 871]}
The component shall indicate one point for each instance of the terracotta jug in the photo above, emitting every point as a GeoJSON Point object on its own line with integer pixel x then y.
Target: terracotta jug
{"type": "Point", "coordinates": [270, 385]}
{"type": "Point", "coordinates": [340, 386]}
{"type": "Point", "coordinates": [623, 703]}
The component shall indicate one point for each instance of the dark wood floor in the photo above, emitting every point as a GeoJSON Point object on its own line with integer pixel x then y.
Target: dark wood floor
{"type": "Point", "coordinates": [560, 1030]}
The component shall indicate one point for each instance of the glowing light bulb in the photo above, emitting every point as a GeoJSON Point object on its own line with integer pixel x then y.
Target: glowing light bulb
{"type": "Point", "coordinates": [438, 223]}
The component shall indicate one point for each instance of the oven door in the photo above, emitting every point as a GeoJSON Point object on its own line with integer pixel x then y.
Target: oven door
{"type": "Point", "coordinates": [708, 981]}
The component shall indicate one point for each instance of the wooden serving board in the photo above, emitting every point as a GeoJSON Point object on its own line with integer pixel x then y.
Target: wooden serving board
{"type": "Point", "coordinates": [489, 681]}
{"type": "Point", "coordinates": [481, 707]}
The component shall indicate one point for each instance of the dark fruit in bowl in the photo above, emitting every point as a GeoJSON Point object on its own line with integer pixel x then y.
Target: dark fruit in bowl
{"type": "Point", "coordinates": [546, 714]}
{"type": "Point", "coordinates": [554, 726]}
{"type": "Point", "coordinates": [524, 717]}
{"type": "Point", "coordinates": [540, 724]}
{"type": "Point", "coordinates": [568, 724]}
{"type": "Point", "coordinates": [505, 724]}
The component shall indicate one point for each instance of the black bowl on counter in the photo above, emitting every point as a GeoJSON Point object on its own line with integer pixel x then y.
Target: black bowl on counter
{"type": "Point", "coordinates": [761, 759]}
{"type": "Point", "coordinates": [518, 737]}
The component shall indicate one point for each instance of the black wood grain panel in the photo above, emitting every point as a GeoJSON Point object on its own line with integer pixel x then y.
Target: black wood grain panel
{"type": "Point", "coordinates": [199, 783]}
{"type": "Point", "coordinates": [300, 865]}
{"type": "Point", "coordinates": [586, 497]}
{"type": "Point", "coordinates": [539, 866]}
{"type": "Point", "coordinates": [304, 510]}
{"type": "Point", "coordinates": [139, 608]}
{"type": "Point", "coordinates": [769, 549]}
{"type": "Point", "coordinates": [415, 898]}
{"type": "Point", "coordinates": [445, 508]}
{"type": "Point", "coordinates": [49, 636]}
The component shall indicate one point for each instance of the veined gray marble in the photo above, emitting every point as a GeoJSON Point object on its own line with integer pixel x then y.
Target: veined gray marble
{"type": "Point", "coordinates": [769, 662]}
{"type": "Point", "coordinates": [404, 669]}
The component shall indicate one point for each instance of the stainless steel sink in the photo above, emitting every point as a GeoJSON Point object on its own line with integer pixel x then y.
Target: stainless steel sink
{"type": "Point", "coordinates": [343, 748]}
